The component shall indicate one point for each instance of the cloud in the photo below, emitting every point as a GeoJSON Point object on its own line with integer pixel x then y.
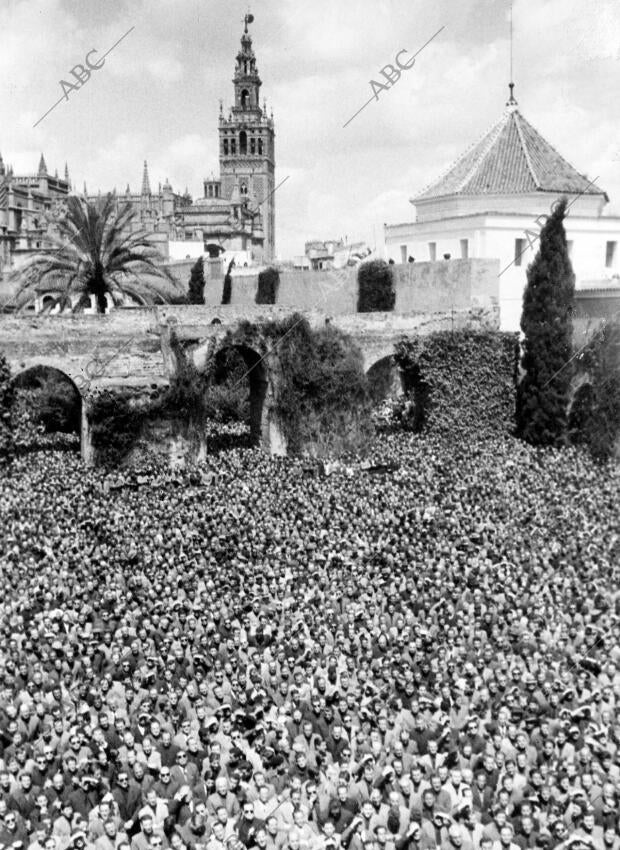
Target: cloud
{"type": "Point", "coordinates": [157, 97]}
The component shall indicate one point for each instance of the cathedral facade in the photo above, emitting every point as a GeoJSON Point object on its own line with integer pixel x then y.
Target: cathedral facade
{"type": "Point", "coordinates": [236, 214]}
{"type": "Point", "coordinates": [29, 206]}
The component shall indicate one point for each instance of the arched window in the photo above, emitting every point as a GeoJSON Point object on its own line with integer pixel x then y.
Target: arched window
{"type": "Point", "coordinates": [233, 146]}
{"type": "Point", "coordinates": [243, 142]}
{"type": "Point", "coordinates": [252, 145]}
{"type": "Point", "coordinates": [260, 147]}
{"type": "Point", "coordinates": [244, 189]}
{"type": "Point", "coordinates": [225, 147]}
{"type": "Point", "coordinates": [245, 98]}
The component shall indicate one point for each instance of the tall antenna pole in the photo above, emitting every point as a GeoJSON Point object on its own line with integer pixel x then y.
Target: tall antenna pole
{"type": "Point", "coordinates": [511, 77]}
{"type": "Point", "coordinates": [511, 100]}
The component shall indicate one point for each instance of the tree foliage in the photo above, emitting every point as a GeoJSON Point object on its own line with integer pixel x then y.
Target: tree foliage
{"type": "Point", "coordinates": [375, 287]}
{"type": "Point", "coordinates": [594, 419]}
{"type": "Point", "coordinates": [193, 399]}
{"type": "Point", "coordinates": [95, 253]}
{"type": "Point", "coordinates": [227, 289]}
{"type": "Point", "coordinates": [322, 400]}
{"type": "Point", "coordinates": [543, 392]}
{"type": "Point", "coordinates": [268, 286]}
{"type": "Point", "coordinates": [196, 286]}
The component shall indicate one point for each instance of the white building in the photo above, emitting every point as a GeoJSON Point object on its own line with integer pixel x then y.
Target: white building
{"type": "Point", "coordinates": [491, 203]}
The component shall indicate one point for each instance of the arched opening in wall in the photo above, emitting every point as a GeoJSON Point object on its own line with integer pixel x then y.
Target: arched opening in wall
{"type": "Point", "coordinates": [49, 409]}
{"type": "Point", "coordinates": [243, 142]}
{"type": "Point", "coordinates": [236, 398]}
{"type": "Point", "coordinates": [245, 98]}
{"type": "Point", "coordinates": [385, 385]}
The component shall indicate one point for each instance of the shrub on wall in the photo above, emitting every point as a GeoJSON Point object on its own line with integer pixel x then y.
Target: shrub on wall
{"type": "Point", "coordinates": [196, 286]}
{"type": "Point", "coordinates": [268, 286]}
{"type": "Point", "coordinates": [460, 384]}
{"type": "Point", "coordinates": [375, 287]}
{"type": "Point", "coordinates": [227, 289]}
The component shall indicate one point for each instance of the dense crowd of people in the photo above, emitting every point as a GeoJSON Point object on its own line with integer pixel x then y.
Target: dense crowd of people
{"type": "Point", "coordinates": [424, 656]}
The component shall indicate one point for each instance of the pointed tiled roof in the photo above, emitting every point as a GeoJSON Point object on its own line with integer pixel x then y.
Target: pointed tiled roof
{"type": "Point", "coordinates": [511, 158]}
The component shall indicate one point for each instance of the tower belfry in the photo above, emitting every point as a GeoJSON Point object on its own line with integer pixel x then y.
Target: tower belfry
{"type": "Point", "coordinates": [247, 146]}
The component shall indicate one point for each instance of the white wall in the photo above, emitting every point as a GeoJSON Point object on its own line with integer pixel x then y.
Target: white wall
{"type": "Point", "coordinates": [180, 250]}
{"type": "Point", "coordinates": [493, 235]}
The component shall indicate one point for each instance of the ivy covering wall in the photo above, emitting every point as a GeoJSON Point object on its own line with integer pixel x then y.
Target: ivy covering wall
{"type": "Point", "coordinates": [462, 384]}
{"type": "Point", "coordinates": [322, 398]}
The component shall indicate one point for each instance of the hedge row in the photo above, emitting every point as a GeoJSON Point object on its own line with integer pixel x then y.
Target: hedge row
{"type": "Point", "coordinates": [462, 383]}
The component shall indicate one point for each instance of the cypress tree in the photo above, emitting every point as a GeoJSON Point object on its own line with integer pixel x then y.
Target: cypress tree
{"type": "Point", "coordinates": [227, 290]}
{"type": "Point", "coordinates": [197, 281]}
{"type": "Point", "coordinates": [542, 394]}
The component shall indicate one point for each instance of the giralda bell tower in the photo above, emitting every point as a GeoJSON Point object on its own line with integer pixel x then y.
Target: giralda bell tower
{"type": "Point", "coordinates": [247, 144]}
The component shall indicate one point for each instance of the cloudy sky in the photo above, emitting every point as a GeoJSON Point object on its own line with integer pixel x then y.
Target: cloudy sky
{"type": "Point", "coordinates": [157, 96]}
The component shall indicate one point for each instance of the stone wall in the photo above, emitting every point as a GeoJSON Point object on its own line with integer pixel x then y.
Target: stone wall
{"type": "Point", "coordinates": [420, 288]}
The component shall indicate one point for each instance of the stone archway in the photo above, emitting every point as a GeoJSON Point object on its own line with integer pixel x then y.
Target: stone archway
{"type": "Point", "coordinates": [51, 384]}
{"type": "Point", "coordinates": [258, 381]}
{"type": "Point", "coordinates": [385, 379]}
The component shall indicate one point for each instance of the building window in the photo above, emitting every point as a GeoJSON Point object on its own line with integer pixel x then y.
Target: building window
{"type": "Point", "coordinates": [245, 98]}
{"type": "Point", "coordinates": [252, 145]}
{"type": "Point", "coordinates": [464, 249]}
{"type": "Point", "coordinates": [519, 251]}
{"type": "Point", "coordinates": [216, 190]}
{"type": "Point", "coordinates": [244, 188]}
{"type": "Point", "coordinates": [233, 146]}
{"type": "Point", "coordinates": [432, 251]}
{"type": "Point", "coordinates": [260, 147]}
{"type": "Point", "coordinates": [225, 147]}
{"type": "Point", "coordinates": [243, 142]}
{"type": "Point", "coordinates": [610, 254]}
{"type": "Point", "coordinates": [209, 191]}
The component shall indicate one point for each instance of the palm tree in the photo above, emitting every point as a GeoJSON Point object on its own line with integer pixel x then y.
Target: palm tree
{"type": "Point", "coordinates": [95, 253]}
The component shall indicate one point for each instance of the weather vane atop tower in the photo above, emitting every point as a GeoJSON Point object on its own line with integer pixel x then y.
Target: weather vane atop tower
{"type": "Point", "coordinates": [248, 20]}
